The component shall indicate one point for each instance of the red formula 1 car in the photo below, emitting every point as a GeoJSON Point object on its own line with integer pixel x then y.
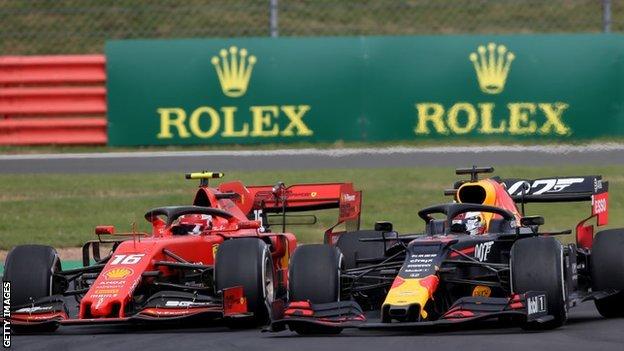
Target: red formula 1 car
{"type": "Point", "coordinates": [478, 258]}
{"type": "Point", "coordinates": [218, 259]}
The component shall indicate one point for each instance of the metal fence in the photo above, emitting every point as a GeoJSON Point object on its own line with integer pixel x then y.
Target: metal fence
{"type": "Point", "coordinates": [82, 26]}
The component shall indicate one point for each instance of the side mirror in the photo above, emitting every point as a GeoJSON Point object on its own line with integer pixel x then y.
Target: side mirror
{"type": "Point", "coordinates": [248, 225]}
{"type": "Point", "coordinates": [105, 230]}
{"type": "Point", "coordinates": [383, 226]}
{"type": "Point", "coordinates": [529, 221]}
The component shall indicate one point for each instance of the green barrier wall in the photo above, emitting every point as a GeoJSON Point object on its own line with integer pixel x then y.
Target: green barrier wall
{"type": "Point", "coordinates": [564, 87]}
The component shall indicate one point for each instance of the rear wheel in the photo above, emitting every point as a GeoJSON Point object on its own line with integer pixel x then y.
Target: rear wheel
{"type": "Point", "coordinates": [247, 262]}
{"type": "Point", "coordinates": [537, 265]}
{"type": "Point", "coordinates": [30, 269]}
{"type": "Point", "coordinates": [607, 271]}
{"type": "Point", "coordinates": [314, 275]}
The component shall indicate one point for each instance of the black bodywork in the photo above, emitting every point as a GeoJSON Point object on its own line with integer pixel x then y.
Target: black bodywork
{"type": "Point", "coordinates": [474, 271]}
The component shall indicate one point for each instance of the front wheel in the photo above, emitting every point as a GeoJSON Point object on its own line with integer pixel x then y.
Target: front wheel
{"type": "Point", "coordinates": [30, 269]}
{"type": "Point", "coordinates": [314, 275]}
{"type": "Point", "coordinates": [537, 265]}
{"type": "Point", "coordinates": [247, 262]}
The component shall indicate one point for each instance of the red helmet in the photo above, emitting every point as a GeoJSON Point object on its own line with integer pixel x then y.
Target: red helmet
{"type": "Point", "coordinates": [193, 224]}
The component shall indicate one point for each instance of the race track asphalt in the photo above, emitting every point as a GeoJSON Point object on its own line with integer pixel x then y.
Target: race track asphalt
{"type": "Point", "coordinates": [585, 330]}
{"type": "Point", "coordinates": [180, 161]}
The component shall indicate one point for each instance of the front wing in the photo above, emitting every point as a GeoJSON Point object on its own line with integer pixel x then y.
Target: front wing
{"type": "Point", "coordinates": [162, 308]}
{"type": "Point", "coordinates": [527, 307]}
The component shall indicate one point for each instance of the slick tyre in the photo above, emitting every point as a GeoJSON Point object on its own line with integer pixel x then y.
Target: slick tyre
{"type": "Point", "coordinates": [247, 262]}
{"type": "Point", "coordinates": [30, 269]}
{"type": "Point", "coordinates": [537, 265]}
{"type": "Point", "coordinates": [607, 271]}
{"type": "Point", "coordinates": [314, 275]}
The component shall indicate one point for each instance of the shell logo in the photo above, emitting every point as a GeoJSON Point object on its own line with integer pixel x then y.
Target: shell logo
{"type": "Point", "coordinates": [118, 273]}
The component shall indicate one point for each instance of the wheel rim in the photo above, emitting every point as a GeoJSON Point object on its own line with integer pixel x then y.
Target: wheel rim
{"type": "Point", "coordinates": [267, 279]}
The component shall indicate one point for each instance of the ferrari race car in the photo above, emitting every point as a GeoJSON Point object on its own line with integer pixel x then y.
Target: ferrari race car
{"type": "Point", "coordinates": [479, 258]}
{"type": "Point", "coordinates": [217, 259]}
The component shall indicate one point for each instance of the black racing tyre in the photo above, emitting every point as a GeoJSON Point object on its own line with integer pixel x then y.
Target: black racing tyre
{"type": "Point", "coordinates": [247, 262]}
{"type": "Point", "coordinates": [607, 271]}
{"type": "Point", "coordinates": [30, 270]}
{"type": "Point", "coordinates": [314, 274]}
{"type": "Point", "coordinates": [352, 248]}
{"type": "Point", "coordinates": [537, 265]}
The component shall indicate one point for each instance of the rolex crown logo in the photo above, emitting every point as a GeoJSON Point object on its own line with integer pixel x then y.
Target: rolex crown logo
{"type": "Point", "coordinates": [492, 65]}
{"type": "Point", "coordinates": [234, 68]}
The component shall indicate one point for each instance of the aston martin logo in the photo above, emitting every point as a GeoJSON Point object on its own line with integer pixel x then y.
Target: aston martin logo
{"type": "Point", "coordinates": [234, 69]}
{"type": "Point", "coordinates": [492, 65]}
{"type": "Point", "coordinates": [118, 273]}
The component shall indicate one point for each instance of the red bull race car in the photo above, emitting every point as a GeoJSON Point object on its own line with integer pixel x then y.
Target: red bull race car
{"type": "Point", "coordinates": [479, 258]}
{"type": "Point", "coordinates": [219, 258]}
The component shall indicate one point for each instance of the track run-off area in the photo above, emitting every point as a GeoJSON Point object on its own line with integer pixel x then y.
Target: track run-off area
{"type": "Point", "coordinates": [293, 159]}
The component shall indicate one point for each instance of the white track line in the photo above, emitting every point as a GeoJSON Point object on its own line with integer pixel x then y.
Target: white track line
{"type": "Point", "coordinates": [545, 149]}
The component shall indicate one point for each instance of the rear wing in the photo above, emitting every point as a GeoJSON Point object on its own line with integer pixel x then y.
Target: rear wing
{"type": "Point", "coordinates": [563, 189]}
{"type": "Point", "coordinates": [297, 198]}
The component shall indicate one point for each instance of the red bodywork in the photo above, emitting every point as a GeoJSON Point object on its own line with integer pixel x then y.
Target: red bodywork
{"type": "Point", "coordinates": [136, 262]}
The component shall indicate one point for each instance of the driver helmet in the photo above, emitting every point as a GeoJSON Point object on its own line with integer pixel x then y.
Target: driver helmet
{"type": "Point", "coordinates": [473, 221]}
{"type": "Point", "coordinates": [193, 224]}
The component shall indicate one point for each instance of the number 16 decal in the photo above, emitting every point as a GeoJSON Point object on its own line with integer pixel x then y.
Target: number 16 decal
{"type": "Point", "coordinates": [127, 259]}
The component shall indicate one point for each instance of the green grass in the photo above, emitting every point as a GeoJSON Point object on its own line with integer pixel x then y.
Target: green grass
{"type": "Point", "coordinates": [340, 144]}
{"type": "Point", "coordinates": [62, 210]}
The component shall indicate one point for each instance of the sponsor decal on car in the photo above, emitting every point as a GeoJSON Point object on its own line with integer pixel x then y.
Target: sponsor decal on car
{"type": "Point", "coordinates": [118, 273]}
{"type": "Point", "coordinates": [483, 250]}
{"type": "Point", "coordinates": [348, 197]}
{"type": "Point", "coordinates": [34, 309]}
{"type": "Point", "coordinates": [536, 304]}
{"type": "Point", "coordinates": [173, 303]}
{"type": "Point", "coordinates": [106, 291]}
{"type": "Point", "coordinates": [542, 186]}
{"type": "Point", "coordinates": [419, 264]}
{"type": "Point", "coordinates": [483, 291]}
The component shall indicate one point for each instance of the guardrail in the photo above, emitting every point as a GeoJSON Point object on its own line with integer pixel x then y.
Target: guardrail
{"type": "Point", "coordinates": [53, 100]}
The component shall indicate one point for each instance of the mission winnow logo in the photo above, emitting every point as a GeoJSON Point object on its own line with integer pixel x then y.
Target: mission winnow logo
{"type": "Point", "coordinates": [492, 64]}
{"type": "Point", "coordinates": [234, 68]}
